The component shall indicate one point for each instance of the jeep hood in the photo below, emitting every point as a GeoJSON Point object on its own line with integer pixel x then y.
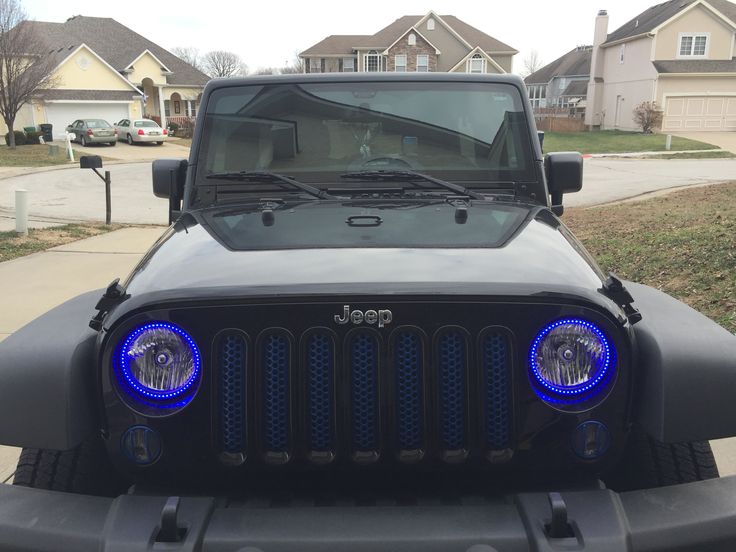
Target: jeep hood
{"type": "Point", "coordinates": [190, 262]}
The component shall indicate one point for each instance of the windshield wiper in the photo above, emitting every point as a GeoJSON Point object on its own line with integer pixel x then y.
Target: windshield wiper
{"type": "Point", "coordinates": [268, 176]}
{"type": "Point", "coordinates": [409, 176]}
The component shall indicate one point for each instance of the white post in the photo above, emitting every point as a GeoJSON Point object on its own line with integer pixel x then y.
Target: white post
{"type": "Point", "coordinates": [69, 149]}
{"type": "Point", "coordinates": [21, 212]}
{"type": "Point", "coordinates": [161, 107]}
{"type": "Point", "coordinates": [668, 143]}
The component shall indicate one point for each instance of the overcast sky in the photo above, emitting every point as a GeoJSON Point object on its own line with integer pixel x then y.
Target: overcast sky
{"type": "Point", "coordinates": [268, 33]}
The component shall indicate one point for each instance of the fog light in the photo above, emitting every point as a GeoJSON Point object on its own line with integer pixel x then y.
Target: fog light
{"type": "Point", "coordinates": [591, 440]}
{"type": "Point", "coordinates": [141, 445]}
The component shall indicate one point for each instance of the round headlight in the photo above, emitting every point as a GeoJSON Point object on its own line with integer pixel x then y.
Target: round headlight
{"type": "Point", "coordinates": [570, 357]}
{"type": "Point", "coordinates": [159, 360]}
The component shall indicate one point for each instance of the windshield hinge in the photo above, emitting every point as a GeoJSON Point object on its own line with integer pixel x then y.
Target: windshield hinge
{"type": "Point", "coordinates": [114, 294]}
{"type": "Point", "coordinates": [614, 289]}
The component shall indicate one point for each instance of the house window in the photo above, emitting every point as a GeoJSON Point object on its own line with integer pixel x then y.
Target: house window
{"type": "Point", "coordinates": [348, 65]}
{"type": "Point", "coordinates": [430, 24]}
{"type": "Point", "coordinates": [177, 107]}
{"type": "Point", "coordinates": [400, 63]}
{"type": "Point", "coordinates": [693, 45]}
{"type": "Point", "coordinates": [315, 65]}
{"type": "Point", "coordinates": [621, 53]}
{"type": "Point", "coordinates": [476, 64]}
{"type": "Point", "coordinates": [412, 39]}
{"type": "Point", "coordinates": [372, 62]}
{"type": "Point", "coordinates": [422, 63]}
{"type": "Point", "coordinates": [167, 108]}
{"type": "Point", "coordinates": [191, 108]}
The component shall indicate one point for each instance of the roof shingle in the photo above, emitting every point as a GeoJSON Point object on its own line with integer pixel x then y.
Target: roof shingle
{"type": "Point", "coordinates": [574, 63]}
{"type": "Point", "coordinates": [696, 66]}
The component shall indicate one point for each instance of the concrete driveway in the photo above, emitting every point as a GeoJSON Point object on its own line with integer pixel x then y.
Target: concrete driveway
{"type": "Point", "coordinates": [137, 152]}
{"type": "Point", "coordinates": [724, 140]}
{"type": "Point", "coordinates": [74, 194]}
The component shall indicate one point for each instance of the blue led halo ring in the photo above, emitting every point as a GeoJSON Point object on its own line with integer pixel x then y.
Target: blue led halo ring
{"type": "Point", "coordinates": [577, 390]}
{"type": "Point", "coordinates": [126, 376]}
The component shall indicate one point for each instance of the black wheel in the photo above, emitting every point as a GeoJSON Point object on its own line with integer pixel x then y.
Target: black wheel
{"type": "Point", "coordinates": [649, 463]}
{"type": "Point", "coordinates": [159, 143]}
{"type": "Point", "coordinates": [82, 470]}
{"type": "Point", "coordinates": [130, 140]}
{"type": "Point", "coordinates": [113, 144]}
{"type": "Point", "coordinates": [83, 141]}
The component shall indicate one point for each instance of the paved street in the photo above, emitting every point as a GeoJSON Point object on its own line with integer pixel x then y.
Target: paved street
{"type": "Point", "coordinates": [75, 194]}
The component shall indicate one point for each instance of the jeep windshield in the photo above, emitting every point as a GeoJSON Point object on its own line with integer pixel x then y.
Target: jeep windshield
{"type": "Point", "coordinates": [469, 132]}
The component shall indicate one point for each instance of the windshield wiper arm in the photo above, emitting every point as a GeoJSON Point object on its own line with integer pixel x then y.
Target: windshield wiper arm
{"type": "Point", "coordinates": [269, 176]}
{"type": "Point", "coordinates": [408, 176]}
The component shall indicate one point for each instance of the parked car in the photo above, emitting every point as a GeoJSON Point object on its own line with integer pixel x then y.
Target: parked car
{"type": "Point", "coordinates": [93, 131]}
{"type": "Point", "coordinates": [368, 329]}
{"type": "Point", "coordinates": [136, 131]}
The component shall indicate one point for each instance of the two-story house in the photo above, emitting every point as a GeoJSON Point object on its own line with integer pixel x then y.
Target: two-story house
{"type": "Point", "coordinates": [413, 43]}
{"type": "Point", "coordinates": [679, 54]}
{"type": "Point", "coordinates": [562, 84]}
{"type": "Point", "coordinates": [105, 70]}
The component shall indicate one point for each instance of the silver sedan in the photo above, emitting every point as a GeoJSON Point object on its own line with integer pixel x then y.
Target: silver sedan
{"type": "Point", "coordinates": [92, 131]}
{"type": "Point", "coordinates": [140, 130]}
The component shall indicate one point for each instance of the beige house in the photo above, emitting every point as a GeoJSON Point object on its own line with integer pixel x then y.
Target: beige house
{"type": "Point", "coordinates": [105, 70]}
{"type": "Point", "coordinates": [679, 54]}
{"type": "Point", "coordinates": [413, 43]}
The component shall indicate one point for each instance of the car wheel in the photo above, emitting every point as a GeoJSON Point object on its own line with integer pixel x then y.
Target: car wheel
{"type": "Point", "coordinates": [648, 463]}
{"type": "Point", "coordinates": [85, 469]}
{"type": "Point", "coordinates": [130, 140]}
{"type": "Point", "coordinates": [113, 143]}
{"type": "Point", "coordinates": [159, 143]}
{"type": "Point", "coordinates": [83, 141]}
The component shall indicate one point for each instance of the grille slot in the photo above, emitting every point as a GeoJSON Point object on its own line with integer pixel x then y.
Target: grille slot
{"type": "Point", "coordinates": [408, 359]}
{"type": "Point", "coordinates": [275, 351]}
{"type": "Point", "coordinates": [496, 355]}
{"type": "Point", "coordinates": [232, 351]}
{"type": "Point", "coordinates": [364, 414]}
{"type": "Point", "coordinates": [452, 390]}
{"type": "Point", "coordinates": [320, 373]}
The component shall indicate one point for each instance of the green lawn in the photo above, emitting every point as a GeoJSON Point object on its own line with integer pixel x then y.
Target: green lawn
{"type": "Point", "coordinates": [614, 141]}
{"type": "Point", "coordinates": [13, 245]}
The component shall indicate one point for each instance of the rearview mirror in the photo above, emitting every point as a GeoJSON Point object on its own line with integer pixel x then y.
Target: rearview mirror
{"type": "Point", "coordinates": [564, 172]}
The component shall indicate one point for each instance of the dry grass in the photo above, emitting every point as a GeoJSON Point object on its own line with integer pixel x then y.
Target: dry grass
{"type": "Point", "coordinates": [683, 243]}
{"type": "Point", "coordinates": [13, 246]}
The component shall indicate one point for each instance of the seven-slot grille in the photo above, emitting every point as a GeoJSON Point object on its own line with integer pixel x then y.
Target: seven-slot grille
{"type": "Point", "coordinates": [320, 397]}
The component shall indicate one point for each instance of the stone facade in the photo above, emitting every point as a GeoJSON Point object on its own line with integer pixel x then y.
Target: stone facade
{"type": "Point", "coordinates": [402, 47]}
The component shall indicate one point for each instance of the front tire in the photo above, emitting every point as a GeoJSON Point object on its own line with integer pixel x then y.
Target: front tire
{"type": "Point", "coordinates": [85, 469]}
{"type": "Point", "coordinates": [130, 140]}
{"type": "Point", "coordinates": [648, 463]}
{"type": "Point", "coordinates": [83, 141]}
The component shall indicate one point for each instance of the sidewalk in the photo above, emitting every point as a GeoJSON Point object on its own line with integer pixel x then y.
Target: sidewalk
{"type": "Point", "coordinates": [34, 284]}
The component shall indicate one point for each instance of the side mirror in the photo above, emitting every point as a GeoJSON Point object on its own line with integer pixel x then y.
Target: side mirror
{"type": "Point", "coordinates": [169, 176]}
{"type": "Point", "coordinates": [90, 162]}
{"type": "Point", "coordinates": [564, 175]}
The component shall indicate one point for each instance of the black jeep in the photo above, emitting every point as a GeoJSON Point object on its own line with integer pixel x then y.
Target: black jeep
{"type": "Point", "coordinates": [368, 329]}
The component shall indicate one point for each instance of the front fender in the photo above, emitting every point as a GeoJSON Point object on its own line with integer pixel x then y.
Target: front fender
{"type": "Point", "coordinates": [688, 370]}
{"type": "Point", "coordinates": [47, 378]}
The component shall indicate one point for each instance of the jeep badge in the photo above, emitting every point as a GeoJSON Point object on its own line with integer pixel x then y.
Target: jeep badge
{"type": "Point", "coordinates": [381, 317]}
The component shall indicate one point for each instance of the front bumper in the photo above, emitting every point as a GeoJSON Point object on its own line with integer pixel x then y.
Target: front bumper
{"type": "Point", "coordinates": [696, 516]}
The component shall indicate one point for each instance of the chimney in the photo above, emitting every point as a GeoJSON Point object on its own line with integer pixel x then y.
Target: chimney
{"type": "Point", "coordinates": [599, 37]}
{"type": "Point", "coordinates": [594, 114]}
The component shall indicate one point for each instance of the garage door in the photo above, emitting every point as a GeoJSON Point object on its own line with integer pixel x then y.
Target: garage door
{"type": "Point", "coordinates": [702, 113]}
{"type": "Point", "coordinates": [62, 114]}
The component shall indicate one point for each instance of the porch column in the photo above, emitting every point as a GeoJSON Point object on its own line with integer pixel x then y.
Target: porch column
{"type": "Point", "coordinates": [161, 108]}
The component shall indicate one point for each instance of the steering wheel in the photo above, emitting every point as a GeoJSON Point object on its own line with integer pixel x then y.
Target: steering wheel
{"type": "Point", "coordinates": [379, 163]}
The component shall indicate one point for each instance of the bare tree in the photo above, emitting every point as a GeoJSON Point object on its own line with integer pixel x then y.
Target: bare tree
{"type": "Point", "coordinates": [220, 63]}
{"type": "Point", "coordinates": [188, 54]}
{"type": "Point", "coordinates": [267, 71]}
{"type": "Point", "coordinates": [532, 63]}
{"type": "Point", "coordinates": [295, 66]}
{"type": "Point", "coordinates": [648, 116]}
{"type": "Point", "coordinates": [25, 66]}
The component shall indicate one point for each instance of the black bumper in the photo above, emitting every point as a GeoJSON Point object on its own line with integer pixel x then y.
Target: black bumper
{"type": "Point", "coordinates": [697, 516]}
